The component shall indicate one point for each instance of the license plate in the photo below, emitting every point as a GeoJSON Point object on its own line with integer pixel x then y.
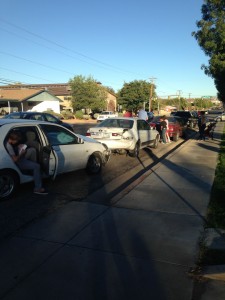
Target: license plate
{"type": "Point", "coordinates": [96, 133]}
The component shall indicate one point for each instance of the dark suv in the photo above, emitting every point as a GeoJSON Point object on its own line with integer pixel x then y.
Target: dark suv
{"type": "Point", "coordinates": [41, 116]}
{"type": "Point", "coordinates": [190, 119]}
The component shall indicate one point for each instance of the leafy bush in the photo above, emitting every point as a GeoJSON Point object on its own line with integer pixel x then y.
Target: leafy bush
{"type": "Point", "coordinates": [86, 117]}
{"type": "Point", "coordinates": [79, 114]}
{"type": "Point", "coordinates": [67, 114]}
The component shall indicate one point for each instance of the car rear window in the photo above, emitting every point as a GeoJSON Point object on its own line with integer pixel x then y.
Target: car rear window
{"type": "Point", "coordinates": [117, 123]}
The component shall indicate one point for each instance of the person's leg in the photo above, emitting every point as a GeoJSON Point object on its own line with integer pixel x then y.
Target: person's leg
{"type": "Point", "coordinates": [167, 137]}
{"type": "Point", "coordinates": [164, 135]}
{"type": "Point", "coordinates": [31, 154]}
{"type": "Point", "coordinates": [203, 131]}
{"type": "Point", "coordinates": [25, 164]}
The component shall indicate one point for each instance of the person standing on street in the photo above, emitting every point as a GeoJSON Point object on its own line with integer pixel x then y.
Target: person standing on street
{"type": "Point", "coordinates": [128, 113]}
{"type": "Point", "coordinates": [167, 133]}
{"type": "Point", "coordinates": [142, 114]}
{"type": "Point", "coordinates": [163, 129]}
{"type": "Point", "coordinates": [202, 126]}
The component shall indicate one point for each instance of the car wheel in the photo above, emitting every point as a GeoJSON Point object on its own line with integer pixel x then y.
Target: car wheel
{"type": "Point", "coordinates": [219, 120]}
{"type": "Point", "coordinates": [8, 183]}
{"type": "Point", "coordinates": [94, 164]}
{"type": "Point", "coordinates": [135, 152]}
{"type": "Point", "coordinates": [156, 142]}
{"type": "Point", "coordinates": [176, 137]}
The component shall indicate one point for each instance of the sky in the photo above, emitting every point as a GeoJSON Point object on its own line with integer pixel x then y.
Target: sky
{"type": "Point", "coordinates": [115, 42]}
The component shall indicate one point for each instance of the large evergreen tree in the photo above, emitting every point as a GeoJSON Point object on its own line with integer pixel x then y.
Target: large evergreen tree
{"type": "Point", "coordinates": [211, 39]}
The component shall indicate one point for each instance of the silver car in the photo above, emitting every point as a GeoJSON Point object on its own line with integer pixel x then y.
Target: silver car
{"type": "Point", "coordinates": [220, 117]}
{"type": "Point", "coordinates": [123, 135]}
{"type": "Point", "coordinates": [59, 151]}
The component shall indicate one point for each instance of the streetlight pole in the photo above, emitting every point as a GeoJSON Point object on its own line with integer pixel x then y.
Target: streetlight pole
{"type": "Point", "coordinates": [179, 92]}
{"type": "Point", "coordinates": [151, 92]}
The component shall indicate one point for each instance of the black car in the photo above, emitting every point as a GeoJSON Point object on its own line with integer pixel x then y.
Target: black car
{"type": "Point", "coordinates": [190, 119]}
{"type": "Point", "coordinates": [41, 116]}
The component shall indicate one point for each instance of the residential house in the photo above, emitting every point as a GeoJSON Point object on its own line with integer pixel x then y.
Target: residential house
{"type": "Point", "coordinates": [27, 99]}
{"type": "Point", "coordinates": [63, 92]}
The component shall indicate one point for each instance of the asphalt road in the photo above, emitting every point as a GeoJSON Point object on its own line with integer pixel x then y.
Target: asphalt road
{"type": "Point", "coordinates": [25, 207]}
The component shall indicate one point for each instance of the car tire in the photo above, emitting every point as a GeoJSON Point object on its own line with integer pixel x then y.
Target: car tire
{"type": "Point", "coordinates": [94, 164]}
{"type": "Point", "coordinates": [156, 142]}
{"type": "Point", "coordinates": [176, 137]}
{"type": "Point", "coordinates": [135, 152]}
{"type": "Point", "coordinates": [8, 183]}
{"type": "Point", "coordinates": [218, 119]}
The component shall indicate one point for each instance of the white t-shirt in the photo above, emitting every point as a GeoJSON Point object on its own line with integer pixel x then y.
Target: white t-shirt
{"type": "Point", "coordinates": [10, 149]}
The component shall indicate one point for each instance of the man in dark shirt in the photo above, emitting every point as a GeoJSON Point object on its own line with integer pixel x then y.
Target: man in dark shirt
{"type": "Point", "coordinates": [163, 129]}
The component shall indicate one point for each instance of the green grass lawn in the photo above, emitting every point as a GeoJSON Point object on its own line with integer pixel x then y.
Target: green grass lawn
{"type": "Point", "coordinates": [216, 211]}
{"type": "Point", "coordinates": [216, 208]}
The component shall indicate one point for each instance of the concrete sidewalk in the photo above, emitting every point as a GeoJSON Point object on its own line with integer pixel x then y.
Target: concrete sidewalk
{"type": "Point", "coordinates": [141, 247]}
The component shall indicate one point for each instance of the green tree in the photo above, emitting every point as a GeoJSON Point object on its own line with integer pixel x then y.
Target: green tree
{"type": "Point", "coordinates": [134, 94]}
{"type": "Point", "coordinates": [211, 39]}
{"type": "Point", "coordinates": [87, 94]}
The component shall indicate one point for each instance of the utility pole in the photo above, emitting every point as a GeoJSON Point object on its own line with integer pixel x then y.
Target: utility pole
{"type": "Point", "coordinates": [151, 92]}
{"type": "Point", "coordinates": [179, 92]}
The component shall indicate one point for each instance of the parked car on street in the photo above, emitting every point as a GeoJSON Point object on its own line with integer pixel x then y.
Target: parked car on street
{"type": "Point", "coordinates": [190, 119]}
{"type": "Point", "coordinates": [41, 116]}
{"type": "Point", "coordinates": [176, 126]}
{"type": "Point", "coordinates": [125, 135]}
{"type": "Point", "coordinates": [105, 115]}
{"type": "Point", "coordinates": [220, 117]}
{"type": "Point", "coordinates": [5, 110]}
{"type": "Point", "coordinates": [59, 150]}
{"type": "Point", "coordinates": [216, 116]}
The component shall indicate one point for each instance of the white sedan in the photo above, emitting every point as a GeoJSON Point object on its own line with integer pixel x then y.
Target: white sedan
{"type": "Point", "coordinates": [125, 135]}
{"type": "Point", "coordinates": [59, 151]}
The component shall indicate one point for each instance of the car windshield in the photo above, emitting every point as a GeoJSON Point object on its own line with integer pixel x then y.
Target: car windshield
{"type": "Point", "coordinates": [117, 123]}
{"type": "Point", "coordinates": [183, 113]}
{"type": "Point", "coordinates": [105, 113]}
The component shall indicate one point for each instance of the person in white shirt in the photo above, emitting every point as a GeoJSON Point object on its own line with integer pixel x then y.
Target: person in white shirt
{"type": "Point", "coordinates": [167, 128]}
{"type": "Point", "coordinates": [21, 156]}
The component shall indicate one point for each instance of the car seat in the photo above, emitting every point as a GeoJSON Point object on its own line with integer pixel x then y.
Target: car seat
{"type": "Point", "coordinates": [31, 141]}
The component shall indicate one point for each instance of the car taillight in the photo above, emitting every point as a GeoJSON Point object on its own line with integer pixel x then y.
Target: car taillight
{"type": "Point", "coordinates": [115, 134]}
{"type": "Point", "coordinates": [88, 134]}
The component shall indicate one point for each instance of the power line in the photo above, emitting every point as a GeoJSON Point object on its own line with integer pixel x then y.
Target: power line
{"type": "Point", "coordinates": [25, 74]}
{"type": "Point", "coordinates": [36, 63]}
{"type": "Point", "coordinates": [65, 48]}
